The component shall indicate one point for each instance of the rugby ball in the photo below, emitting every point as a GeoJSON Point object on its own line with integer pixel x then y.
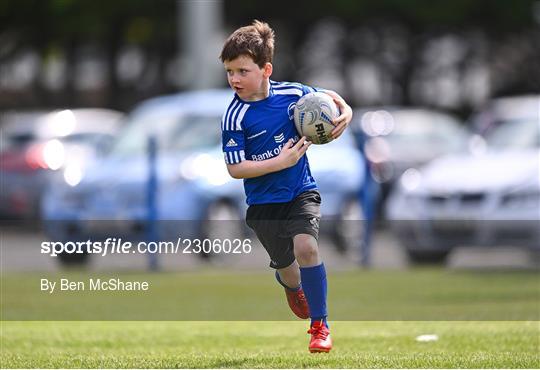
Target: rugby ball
{"type": "Point", "coordinates": [313, 115]}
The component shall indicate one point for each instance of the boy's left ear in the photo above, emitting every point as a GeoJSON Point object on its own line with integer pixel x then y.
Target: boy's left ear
{"type": "Point", "coordinates": [267, 70]}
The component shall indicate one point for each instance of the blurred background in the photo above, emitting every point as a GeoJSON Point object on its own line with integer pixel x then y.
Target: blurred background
{"type": "Point", "coordinates": [110, 126]}
{"type": "Point", "coordinates": [452, 55]}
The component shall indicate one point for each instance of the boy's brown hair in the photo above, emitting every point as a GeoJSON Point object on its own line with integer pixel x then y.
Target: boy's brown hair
{"type": "Point", "coordinates": [255, 41]}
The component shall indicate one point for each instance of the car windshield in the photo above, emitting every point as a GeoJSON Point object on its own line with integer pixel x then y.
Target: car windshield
{"type": "Point", "coordinates": [515, 134]}
{"type": "Point", "coordinates": [173, 132]}
{"type": "Point", "coordinates": [416, 131]}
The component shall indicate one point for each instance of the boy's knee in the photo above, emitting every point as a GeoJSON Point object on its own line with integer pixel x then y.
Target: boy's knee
{"type": "Point", "coordinates": [306, 250]}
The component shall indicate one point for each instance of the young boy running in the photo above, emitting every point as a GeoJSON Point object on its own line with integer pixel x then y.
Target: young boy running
{"type": "Point", "coordinates": [261, 146]}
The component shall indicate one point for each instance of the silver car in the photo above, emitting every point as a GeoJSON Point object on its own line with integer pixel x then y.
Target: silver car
{"type": "Point", "coordinates": [489, 196]}
{"type": "Point", "coordinates": [397, 138]}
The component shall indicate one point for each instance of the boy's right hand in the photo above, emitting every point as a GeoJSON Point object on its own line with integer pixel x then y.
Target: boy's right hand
{"type": "Point", "coordinates": [291, 153]}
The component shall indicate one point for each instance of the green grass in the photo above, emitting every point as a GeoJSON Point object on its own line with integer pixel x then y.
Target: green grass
{"type": "Point", "coordinates": [419, 294]}
{"type": "Point", "coordinates": [368, 300]}
{"type": "Point", "coordinates": [267, 345]}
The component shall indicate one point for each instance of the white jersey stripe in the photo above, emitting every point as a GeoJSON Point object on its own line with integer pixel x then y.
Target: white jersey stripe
{"type": "Point", "coordinates": [241, 117]}
{"type": "Point", "coordinates": [288, 92]}
{"type": "Point", "coordinates": [286, 85]}
{"type": "Point", "coordinates": [234, 115]}
{"type": "Point", "coordinates": [232, 119]}
{"type": "Point", "coordinates": [229, 114]}
{"type": "Point", "coordinates": [234, 157]}
{"type": "Point", "coordinates": [226, 114]}
{"type": "Point", "coordinates": [233, 112]}
{"type": "Point", "coordinates": [224, 117]}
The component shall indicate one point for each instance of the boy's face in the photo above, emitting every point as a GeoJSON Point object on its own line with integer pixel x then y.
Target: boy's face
{"type": "Point", "coordinates": [247, 79]}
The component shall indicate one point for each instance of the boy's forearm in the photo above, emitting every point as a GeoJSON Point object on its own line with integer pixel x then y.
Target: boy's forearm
{"type": "Point", "coordinates": [248, 169]}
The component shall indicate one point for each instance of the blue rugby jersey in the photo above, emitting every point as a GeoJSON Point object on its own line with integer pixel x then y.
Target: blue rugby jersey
{"type": "Point", "coordinates": [257, 131]}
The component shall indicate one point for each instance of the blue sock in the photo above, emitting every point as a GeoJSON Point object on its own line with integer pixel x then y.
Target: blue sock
{"type": "Point", "coordinates": [315, 287]}
{"type": "Point", "coordinates": [278, 278]}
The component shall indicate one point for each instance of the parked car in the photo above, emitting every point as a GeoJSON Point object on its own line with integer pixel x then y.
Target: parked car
{"type": "Point", "coordinates": [38, 146]}
{"type": "Point", "coordinates": [194, 187]}
{"type": "Point", "coordinates": [500, 110]}
{"type": "Point", "coordinates": [397, 138]}
{"type": "Point", "coordinates": [489, 196]}
{"type": "Point", "coordinates": [339, 170]}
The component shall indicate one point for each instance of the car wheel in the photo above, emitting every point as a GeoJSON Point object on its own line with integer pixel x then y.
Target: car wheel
{"type": "Point", "coordinates": [349, 228]}
{"type": "Point", "coordinates": [534, 254]}
{"type": "Point", "coordinates": [72, 259]}
{"type": "Point", "coordinates": [222, 222]}
{"type": "Point", "coordinates": [427, 256]}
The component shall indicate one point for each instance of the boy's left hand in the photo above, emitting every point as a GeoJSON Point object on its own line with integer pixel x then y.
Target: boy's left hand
{"type": "Point", "coordinates": [342, 121]}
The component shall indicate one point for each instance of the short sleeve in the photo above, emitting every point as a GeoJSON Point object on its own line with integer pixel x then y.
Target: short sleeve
{"type": "Point", "coordinates": [233, 146]}
{"type": "Point", "coordinates": [292, 88]}
{"type": "Point", "coordinates": [308, 89]}
{"type": "Point", "coordinates": [232, 133]}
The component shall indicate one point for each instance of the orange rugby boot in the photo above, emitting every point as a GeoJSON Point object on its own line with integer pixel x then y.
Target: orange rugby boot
{"type": "Point", "coordinates": [320, 338]}
{"type": "Point", "coordinates": [297, 302]}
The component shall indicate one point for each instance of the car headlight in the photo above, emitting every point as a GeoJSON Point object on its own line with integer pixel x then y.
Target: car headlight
{"type": "Point", "coordinates": [73, 174]}
{"type": "Point", "coordinates": [411, 179]}
{"type": "Point", "coordinates": [206, 167]}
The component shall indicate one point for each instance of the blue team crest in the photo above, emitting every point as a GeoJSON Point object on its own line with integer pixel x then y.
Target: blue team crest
{"type": "Point", "coordinates": [290, 110]}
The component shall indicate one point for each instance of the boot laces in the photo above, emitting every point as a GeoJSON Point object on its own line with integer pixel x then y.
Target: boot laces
{"type": "Point", "coordinates": [319, 331]}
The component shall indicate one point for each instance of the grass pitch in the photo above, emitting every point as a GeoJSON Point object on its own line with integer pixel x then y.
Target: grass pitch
{"type": "Point", "coordinates": [412, 295]}
{"type": "Point", "coordinates": [267, 345]}
{"type": "Point", "coordinates": [367, 299]}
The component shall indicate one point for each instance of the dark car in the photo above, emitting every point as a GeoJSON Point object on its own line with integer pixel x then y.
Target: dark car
{"type": "Point", "coordinates": [38, 146]}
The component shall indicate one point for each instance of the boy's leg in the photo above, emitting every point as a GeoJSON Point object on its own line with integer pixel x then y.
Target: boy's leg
{"type": "Point", "coordinates": [313, 277]}
{"type": "Point", "coordinates": [267, 224]}
{"type": "Point", "coordinates": [289, 278]}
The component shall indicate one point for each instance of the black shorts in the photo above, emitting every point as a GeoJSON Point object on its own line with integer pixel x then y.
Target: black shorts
{"type": "Point", "coordinates": [276, 224]}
